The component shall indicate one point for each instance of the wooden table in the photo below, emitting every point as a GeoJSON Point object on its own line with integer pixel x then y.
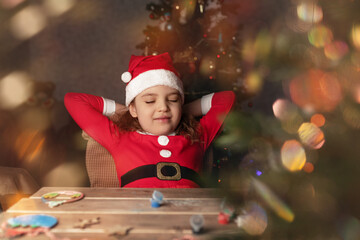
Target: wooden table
{"type": "Point", "coordinates": [120, 208]}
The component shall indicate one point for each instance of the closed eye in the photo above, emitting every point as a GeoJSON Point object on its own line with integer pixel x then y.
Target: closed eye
{"type": "Point", "coordinates": [173, 98]}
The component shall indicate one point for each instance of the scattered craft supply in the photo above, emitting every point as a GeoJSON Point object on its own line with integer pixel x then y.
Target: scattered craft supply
{"type": "Point", "coordinates": [197, 223]}
{"type": "Point", "coordinates": [227, 209]}
{"type": "Point", "coordinates": [84, 223]}
{"type": "Point", "coordinates": [119, 231]}
{"type": "Point", "coordinates": [30, 225]}
{"type": "Point", "coordinates": [227, 212]}
{"type": "Point", "coordinates": [157, 199]}
{"type": "Point", "coordinates": [223, 218]}
{"type": "Point", "coordinates": [54, 199]}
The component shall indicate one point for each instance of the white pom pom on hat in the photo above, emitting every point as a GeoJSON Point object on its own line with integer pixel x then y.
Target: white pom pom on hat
{"type": "Point", "coordinates": [126, 77]}
{"type": "Point", "coordinates": [149, 71]}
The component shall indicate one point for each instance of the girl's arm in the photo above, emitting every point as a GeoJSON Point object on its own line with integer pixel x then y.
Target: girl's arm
{"type": "Point", "coordinates": [91, 114]}
{"type": "Point", "coordinates": [215, 108]}
{"type": "Point", "coordinates": [193, 108]}
{"type": "Point", "coordinates": [199, 107]}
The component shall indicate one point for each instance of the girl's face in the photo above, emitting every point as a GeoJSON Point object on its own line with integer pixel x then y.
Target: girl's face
{"type": "Point", "coordinates": [158, 110]}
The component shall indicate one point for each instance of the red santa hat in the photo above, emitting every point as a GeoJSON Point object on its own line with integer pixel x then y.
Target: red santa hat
{"type": "Point", "coordinates": [149, 71]}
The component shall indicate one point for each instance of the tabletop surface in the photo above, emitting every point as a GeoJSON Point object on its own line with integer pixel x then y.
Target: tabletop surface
{"type": "Point", "coordinates": [126, 213]}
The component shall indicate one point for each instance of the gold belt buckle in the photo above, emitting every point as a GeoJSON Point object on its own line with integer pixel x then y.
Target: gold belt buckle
{"type": "Point", "coordinates": [161, 176]}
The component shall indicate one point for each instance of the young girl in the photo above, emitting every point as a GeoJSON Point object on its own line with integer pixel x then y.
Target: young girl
{"type": "Point", "coordinates": [154, 145]}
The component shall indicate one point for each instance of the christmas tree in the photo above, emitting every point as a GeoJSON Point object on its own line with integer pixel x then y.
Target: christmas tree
{"type": "Point", "coordinates": [203, 44]}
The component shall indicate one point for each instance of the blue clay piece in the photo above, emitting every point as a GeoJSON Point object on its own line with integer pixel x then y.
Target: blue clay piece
{"type": "Point", "coordinates": [157, 196]}
{"type": "Point", "coordinates": [37, 220]}
{"type": "Point", "coordinates": [154, 203]}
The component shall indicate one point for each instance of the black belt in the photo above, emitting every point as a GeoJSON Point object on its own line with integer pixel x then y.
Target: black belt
{"type": "Point", "coordinates": [163, 171]}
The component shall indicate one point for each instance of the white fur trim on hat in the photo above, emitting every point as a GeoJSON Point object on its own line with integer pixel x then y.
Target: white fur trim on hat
{"type": "Point", "coordinates": [152, 78]}
{"type": "Point", "coordinates": [126, 77]}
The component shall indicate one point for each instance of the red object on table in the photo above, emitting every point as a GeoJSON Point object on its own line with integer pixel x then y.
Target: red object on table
{"type": "Point", "coordinates": [223, 218]}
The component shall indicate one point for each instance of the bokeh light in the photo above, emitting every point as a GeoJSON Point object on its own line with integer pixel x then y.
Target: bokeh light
{"type": "Point", "coordinates": [308, 167]}
{"type": "Point", "coordinates": [279, 207]}
{"type": "Point", "coordinates": [253, 82]}
{"type": "Point", "coordinates": [207, 66]}
{"type": "Point", "coordinates": [336, 50]}
{"type": "Point", "coordinates": [318, 119]}
{"type": "Point", "coordinates": [284, 109]}
{"type": "Point", "coordinates": [316, 90]}
{"type": "Point", "coordinates": [29, 144]}
{"type": "Point", "coordinates": [289, 115]}
{"type": "Point", "coordinates": [56, 7]}
{"type": "Point", "coordinates": [293, 155]}
{"type": "Point", "coordinates": [15, 89]}
{"type": "Point", "coordinates": [351, 115]}
{"type": "Point", "coordinates": [320, 35]}
{"type": "Point", "coordinates": [28, 22]}
{"type": "Point", "coordinates": [262, 45]}
{"type": "Point", "coordinates": [187, 9]}
{"type": "Point", "coordinates": [253, 219]}
{"type": "Point", "coordinates": [356, 93]}
{"type": "Point", "coordinates": [311, 135]}
{"type": "Point", "coordinates": [258, 48]}
{"type": "Point", "coordinates": [309, 12]}
{"type": "Point", "coordinates": [355, 35]}
{"type": "Point", "coordinates": [249, 53]}
{"type": "Point", "coordinates": [296, 24]}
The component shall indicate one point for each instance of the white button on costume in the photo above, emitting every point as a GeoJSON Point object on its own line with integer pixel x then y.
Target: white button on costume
{"type": "Point", "coordinates": [165, 153]}
{"type": "Point", "coordinates": [163, 140]}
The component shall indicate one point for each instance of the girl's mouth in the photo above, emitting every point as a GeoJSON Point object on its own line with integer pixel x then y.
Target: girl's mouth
{"type": "Point", "coordinates": [163, 119]}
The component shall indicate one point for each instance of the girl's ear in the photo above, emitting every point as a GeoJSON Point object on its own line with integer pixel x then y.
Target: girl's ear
{"type": "Point", "coordinates": [132, 110]}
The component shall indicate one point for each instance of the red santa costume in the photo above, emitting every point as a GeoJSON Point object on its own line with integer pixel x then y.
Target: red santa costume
{"type": "Point", "coordinates": [141, 159]}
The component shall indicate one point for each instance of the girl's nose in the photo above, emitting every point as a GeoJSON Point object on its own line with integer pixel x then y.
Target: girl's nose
{"type": "Point", "coordinates": [162, 106]}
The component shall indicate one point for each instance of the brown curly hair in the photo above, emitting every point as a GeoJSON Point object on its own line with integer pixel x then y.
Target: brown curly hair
{"type": "Point", "coordinates": [188, 127]}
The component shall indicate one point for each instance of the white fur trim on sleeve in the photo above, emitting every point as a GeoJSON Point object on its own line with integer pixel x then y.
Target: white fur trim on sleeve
{"type": "Point", "coordinates": [109, 107]}
{"type": "Point", "coordinates": [206, 103]}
